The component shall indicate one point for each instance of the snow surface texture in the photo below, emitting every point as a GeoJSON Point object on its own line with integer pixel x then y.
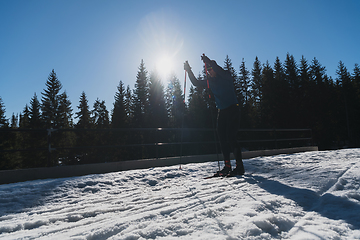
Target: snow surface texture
{"type": "Point", "coordinates": [313, 195]}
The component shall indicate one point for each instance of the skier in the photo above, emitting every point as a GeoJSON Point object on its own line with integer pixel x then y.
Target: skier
{"type": "Point", "coordinates": [222, 86]}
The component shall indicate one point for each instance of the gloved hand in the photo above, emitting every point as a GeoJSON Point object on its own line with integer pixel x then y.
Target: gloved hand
{"type": "Point", "coordinates": [205, 59]}
{"type": "Point", "coordinates": [187, 66]}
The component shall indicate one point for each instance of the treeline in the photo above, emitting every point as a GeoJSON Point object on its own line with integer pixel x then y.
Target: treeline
{"type": "Point", "coordinates": [286, 95]}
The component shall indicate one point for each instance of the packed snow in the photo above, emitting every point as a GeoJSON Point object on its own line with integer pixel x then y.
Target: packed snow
{"type": "Point", "coordinates": [312, 195]}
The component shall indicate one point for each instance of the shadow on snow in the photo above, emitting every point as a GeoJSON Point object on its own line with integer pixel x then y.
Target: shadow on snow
{"type": "Point", "coordinates": [328, 205]}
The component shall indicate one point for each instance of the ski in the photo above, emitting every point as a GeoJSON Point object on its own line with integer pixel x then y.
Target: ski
{"type": "Point", "coordinates": [213, 176]}
{"type": "Point", "coordinates": [220, 176]}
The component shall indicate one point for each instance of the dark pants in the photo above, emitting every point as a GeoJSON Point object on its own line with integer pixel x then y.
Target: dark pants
{"type": "Point", "coordinates": [227, 125]}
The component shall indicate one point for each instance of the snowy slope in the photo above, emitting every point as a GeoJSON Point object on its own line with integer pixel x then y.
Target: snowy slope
{"type": "Point", "coordinates": [313, 195]}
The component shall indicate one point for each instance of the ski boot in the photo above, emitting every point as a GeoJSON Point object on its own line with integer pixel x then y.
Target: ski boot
{"type": "Point", "coordinates": [224, 172]}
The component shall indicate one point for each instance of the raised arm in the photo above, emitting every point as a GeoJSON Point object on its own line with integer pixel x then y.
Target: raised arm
{"type": "Point", "coordinates": [192, 77]}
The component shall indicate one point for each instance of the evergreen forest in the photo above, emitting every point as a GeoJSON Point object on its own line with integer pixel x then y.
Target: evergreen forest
{"type": "Point", "coordinates": [289, 94]}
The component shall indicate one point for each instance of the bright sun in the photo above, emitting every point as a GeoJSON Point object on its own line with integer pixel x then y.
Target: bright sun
{"type": "Point", "coordinates": [162, 41]}
{"type": "Point", "coordinates": [164, 66]}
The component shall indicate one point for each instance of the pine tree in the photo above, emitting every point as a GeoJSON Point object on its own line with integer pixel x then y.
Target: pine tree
{"type": "Point", "coordinates": [14, 121]}
{"type": "Point", "coordinates": [306, 105]}
{"type": "Point", "coordinates": [256, 92]}
{"type": "Point", "coordinates": [65, 138]}
{"type": "Point", "coordinates": [140, 103]}
{"type": "Point", "coordinates": [100, 114]}
{"type": "Point", "coordinates": [25, 140]}
{"type": "Point", "coordinates": [278, 70]}
{"type": "Point", "coordinates": [5, 158]}
{"type": "Point", "coordinates": [317, 90]}
{"type": "Point", "coordinates": [243, 86]}
{"type": "Point", "coordinates": [343, 78]}
{"type": "Point", "coordinates": [197, 109]}
{"type": "Point", "coordinates": [281, 92]}
{"type": "Point", "coordinates": [293, 94]}
{"type": "Point", "coordinates": [356, 83]}
{"type": "Point", "coordinates": [175, 102]}
{"type": "Point", "coordinates": [32, 140]}
{"type": "Point", "coordinates": [120, 119]}
{"type": "Point", "coordinates": [25, 118]}
{"type": "Point", "coordinates": [3, 121]}
{"type": "Point", "coordinates": [64, 112]}
{"type": "Point", "coordinates": [157, 108]}
{"type": "Point", "coordinates": [34, 113]}
{"type": "Point", "coordinates": [356, 79]}
{"type": "Point", "coordinates": [50, 101]}
{"type": "Point", "coordinates": [347, 97]}
{"type": "Point", "coordinates": [268, 91]}
{"type": "Point", "coordinates": [100, 118]}
{"type": "Point", "coordinates": [84, 113]}
{"type": "Point", "coordinates": [118, 116]}
{"type": "Point", "coordinates": [291, 72]}
{"type": "Point", "coordinates": [14, 142]}
{"type": "Point", "coordinates": [141, 97]}
{"type": "Point", "coordinates": [84, 138]}
{"type": "Point", "coordinates": [317, 72]}
{"type": "Point", "coordinates": [256, 81]}
{"type": "Point", "coordinates": [128, 105]}
{"type": "Point", "coordinates": [304, 76]}
{"type": "Point", "coordinates": [229, 67]}
{"type": "Point", "coordinates": [322, 106]}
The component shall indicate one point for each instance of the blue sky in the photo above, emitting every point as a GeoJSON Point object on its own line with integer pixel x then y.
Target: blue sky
{"type": "Point", "coordinates": [92, 45]}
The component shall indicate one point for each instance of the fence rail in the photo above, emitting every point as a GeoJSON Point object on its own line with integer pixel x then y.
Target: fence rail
{"type": "Point", "coordinates": [139, 138]}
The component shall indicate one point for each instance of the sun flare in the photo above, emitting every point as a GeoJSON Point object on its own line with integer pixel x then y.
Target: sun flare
{"type": "Point", "coordinates": [162, 41]}
{"type": "Point", "coordinates": [164, 66]}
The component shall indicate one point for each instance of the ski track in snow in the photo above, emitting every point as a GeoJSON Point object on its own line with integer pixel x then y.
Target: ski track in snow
{"type": "Point", "coordinates": [313, 195]}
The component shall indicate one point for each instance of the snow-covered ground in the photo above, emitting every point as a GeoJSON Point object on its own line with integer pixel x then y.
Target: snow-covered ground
{"type": "Point", "coordinates": [313, 195]}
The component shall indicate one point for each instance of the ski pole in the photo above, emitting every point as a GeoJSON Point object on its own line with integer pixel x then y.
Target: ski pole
{"type": "Point", "coordinates": [182, 124]}
{"type": "Point", "coordinates": [184, 86]}
{"type": "Point", "coordinates": [207, 79]}
{"type": "Point", "coordinates": [211, 113]}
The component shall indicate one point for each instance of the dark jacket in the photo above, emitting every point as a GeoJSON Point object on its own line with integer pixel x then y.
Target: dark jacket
{"type": "Point", "coordinates": [222, 86]}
